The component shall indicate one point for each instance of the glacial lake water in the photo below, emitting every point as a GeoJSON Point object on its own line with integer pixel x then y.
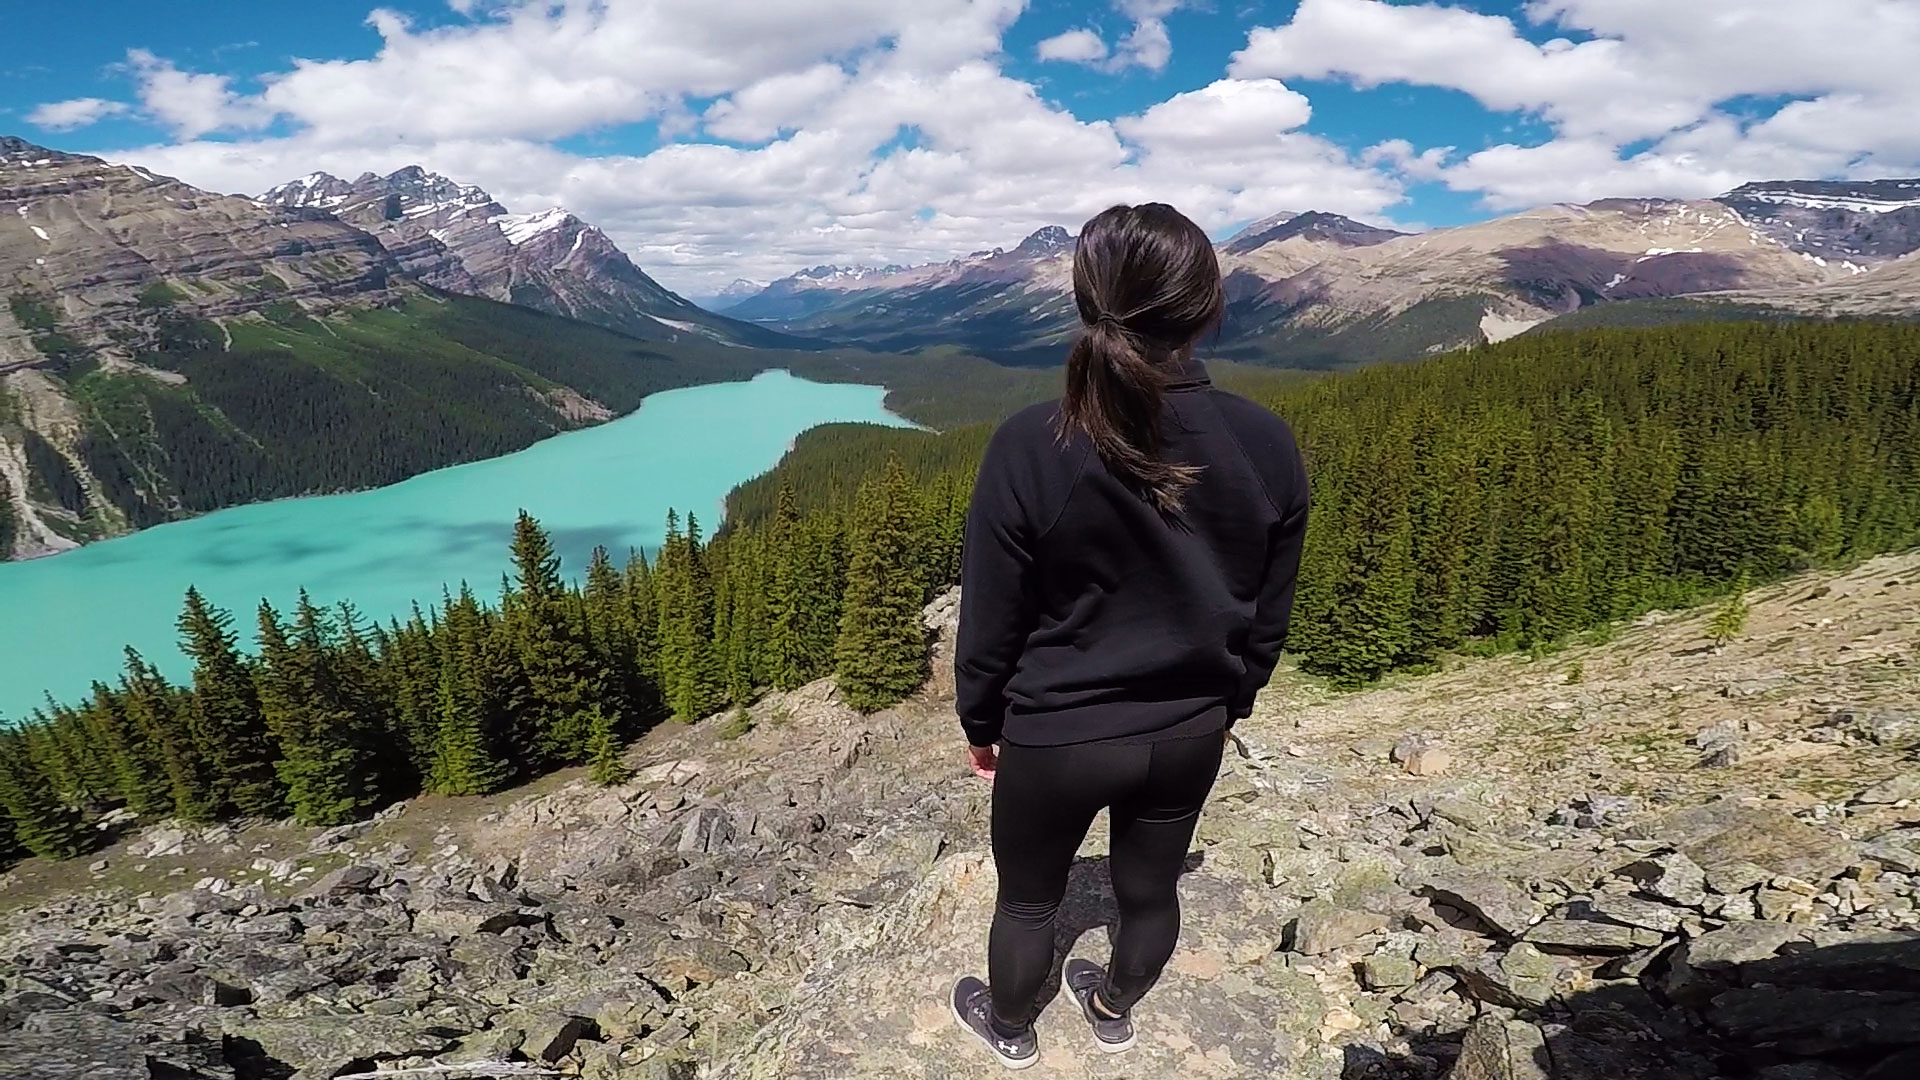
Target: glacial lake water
{"type": "Point", "coordinates": [64, 619]}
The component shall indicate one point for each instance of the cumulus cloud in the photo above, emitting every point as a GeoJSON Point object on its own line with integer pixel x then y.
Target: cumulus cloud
{"type": "Point", "coordinates": [191, 104]}
{"type": "Point", "coordinates": [1650, 101]}
{"type": "Point", "coordinates": [75, 113]}
{"type": "Point", "coordinates": [838, 131]}
{"type": "Point", "coordinates": [1231, 114]}
{"type": "Point", "coordinates": [1146, 45]}
{"type": "Point", "coordinates": [1080, 46]}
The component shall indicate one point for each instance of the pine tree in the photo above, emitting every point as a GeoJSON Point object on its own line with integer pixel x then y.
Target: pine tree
{"type": "Point", "coordinates": [42, 823]}
{"type": "Point", "coordinates": [327, 763]}
{"type": "Point", "coordinates": [223, 714]}
{"type": "Point", "coordinates": [690, 671]}
{"type": "Point", "coordinates": [138, 774]}
{"type": "Point", "coordinates": [161, 716]}
{"type": "Point", "coordinates": [563, 678]}
{"type": "Point", "coordinates": [465, 761]}
{"type": "Point", "coordinates": [413, 665]}
{"type": "Point", "coordinates": [609, 620]}
{"type": "Point", "coordinates": [643, 616]}
{"type": "Point", "coordinates": [1731, 620]}
{"type": "Point", "coordinates": [746, 623]}
{"type": "Point", "coordinates": [609, 768]}
{"type": "Point", "coordinates": [785, 646]}
{"type": "Point", "coordinates": [881, 657]}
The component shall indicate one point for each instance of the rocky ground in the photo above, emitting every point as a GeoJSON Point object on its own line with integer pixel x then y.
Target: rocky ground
{"type": "Point", "coordinates": [1644, 858]}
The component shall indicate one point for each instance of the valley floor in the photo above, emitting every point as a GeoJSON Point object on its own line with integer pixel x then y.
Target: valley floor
{"type": "Point", "coordinates": [1647, 858]}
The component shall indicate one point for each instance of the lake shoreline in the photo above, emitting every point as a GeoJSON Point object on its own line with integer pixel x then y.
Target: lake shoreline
{"type": "Point", "coordinates": [386, 548]}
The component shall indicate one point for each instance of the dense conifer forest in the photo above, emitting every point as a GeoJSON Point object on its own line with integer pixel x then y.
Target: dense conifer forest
{"type": "Point", "coordinates": [1506, 497]}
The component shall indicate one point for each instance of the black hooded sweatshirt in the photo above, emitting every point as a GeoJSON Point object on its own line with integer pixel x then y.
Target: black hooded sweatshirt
{"type": "Point", "coordinates": [1088, 616]}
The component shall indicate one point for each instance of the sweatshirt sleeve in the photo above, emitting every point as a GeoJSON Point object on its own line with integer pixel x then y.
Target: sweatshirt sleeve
{"type": "Point", "coordinates": [997, 608]}
{"type": "Point", "coordinates": [1274, 609]}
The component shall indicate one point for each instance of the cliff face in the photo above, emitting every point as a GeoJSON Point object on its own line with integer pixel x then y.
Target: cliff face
{"type": "Point", "coordinates": [90, 250]}
{"type": "Point", "coordinates": [1642, 861]}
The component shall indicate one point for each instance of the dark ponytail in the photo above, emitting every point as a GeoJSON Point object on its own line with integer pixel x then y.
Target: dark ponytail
{"type": "Point", "coordinates": [1148, 286]}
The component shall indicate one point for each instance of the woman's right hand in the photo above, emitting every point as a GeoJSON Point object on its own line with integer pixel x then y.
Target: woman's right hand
{"type": "Point", "coordinates": [985, 761]}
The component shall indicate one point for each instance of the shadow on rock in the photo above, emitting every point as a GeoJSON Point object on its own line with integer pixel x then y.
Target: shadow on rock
{"type": "Point", "coordinates": [1752, 1001]}
{"type": "Point", "coordinates": [1089, 905]}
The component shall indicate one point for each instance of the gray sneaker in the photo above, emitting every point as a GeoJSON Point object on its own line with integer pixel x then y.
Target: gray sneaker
{"type": "Point", "coordinates": [973, 1009]}
{"type": "Point", "coordinates": [1082, 978]}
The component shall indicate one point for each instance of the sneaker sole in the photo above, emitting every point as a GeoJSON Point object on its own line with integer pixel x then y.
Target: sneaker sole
{"type": "Point", "coordinates": [1015, 1064]}
{"type": "Point", "coordinates": [1105, 1046]}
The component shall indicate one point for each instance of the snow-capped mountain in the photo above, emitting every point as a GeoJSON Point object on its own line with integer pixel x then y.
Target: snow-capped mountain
{"type": "Point", "coordinates": [1313, 288]}
{"type": "Point", "coordinates": [1856, 224]}
{"type": "Point", "coordinates": [456, 237]}
{"type": "Point", "coordinates": [986, 300]}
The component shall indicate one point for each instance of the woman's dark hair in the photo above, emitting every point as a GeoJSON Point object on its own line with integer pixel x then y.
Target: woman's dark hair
{"type": "Point", "coordinates": [1148, 286]}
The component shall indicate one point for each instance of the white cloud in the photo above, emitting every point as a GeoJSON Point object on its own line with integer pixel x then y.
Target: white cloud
{"type": "Point", "coordinates": [1075, 46]}
{"type": "Point", "coordinates": [762, 110]}
{"type": "Point", "coordinates": [1147, 45]}
{"type": "Point", "coordinates": [1231, 114]}
{"type": "Point", "coordinates": [812, 106]}
{"type": "Point", "coordinates": [76, 113]}
{"type": "Point", "coordinates": [192, 104]}
{"type": "Point", "coordinates": [1648, 103]}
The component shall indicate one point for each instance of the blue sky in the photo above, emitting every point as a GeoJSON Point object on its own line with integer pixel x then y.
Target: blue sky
{"type": "Point", "coordinates": [720, 138]}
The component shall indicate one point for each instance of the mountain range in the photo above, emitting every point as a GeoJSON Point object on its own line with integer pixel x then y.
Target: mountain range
{"type": "Point", "coordinates": [1315, 289]}
{"type": "Point", "coordinates": [455, 237]}
{"type": "Point", "coordinates": [165, 350]}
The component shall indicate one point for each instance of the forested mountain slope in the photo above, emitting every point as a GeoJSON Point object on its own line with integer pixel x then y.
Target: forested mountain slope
{"type": "Point", "coordinates": [165, 351]}
{"type": "Point", "coordinates": [1529, 490]}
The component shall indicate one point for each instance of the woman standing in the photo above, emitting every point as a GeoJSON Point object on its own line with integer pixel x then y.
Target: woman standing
{"type": "Point", "coordinates": [1128, 573]}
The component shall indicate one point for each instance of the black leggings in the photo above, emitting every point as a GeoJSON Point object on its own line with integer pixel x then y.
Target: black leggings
{"type": "Point", "coordinates": [1044, 800]}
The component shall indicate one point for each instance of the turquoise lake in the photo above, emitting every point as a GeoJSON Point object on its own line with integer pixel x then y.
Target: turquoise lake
{"type": "Point", "coordinates": [383, 549]}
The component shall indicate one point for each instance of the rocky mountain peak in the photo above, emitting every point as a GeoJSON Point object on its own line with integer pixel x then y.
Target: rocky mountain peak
{"type": "Point", "coordinates": [1045, 242]}
{"type": "Point", "coordinates": [317, 189]}
{"type": "Point", "coordinates": [1313, 224]}
{"type": "Point", "coordinates": [1858, 224]}
{"type": "Point", "coordinates": [13, 146]}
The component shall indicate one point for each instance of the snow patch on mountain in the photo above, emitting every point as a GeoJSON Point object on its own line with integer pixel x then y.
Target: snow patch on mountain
{"type": "Point", "coordinates": [520, 228]}
{"type": "Point", "coordinates": [1855, 204]}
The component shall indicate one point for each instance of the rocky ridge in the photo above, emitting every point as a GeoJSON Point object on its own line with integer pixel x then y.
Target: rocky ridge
{"type": "Point", "coordinates": [456, 237]}
{"type": "Point", "coordinates": [1319, 289]}
{"type": "Point", "coordinates": [1645, 858]}
{"type": "Point", "coordinates": [983, 299]}
{"type": "Point", "coordinates": [97, 259]}
{"type": "Point", "coordinates": [91, 244]}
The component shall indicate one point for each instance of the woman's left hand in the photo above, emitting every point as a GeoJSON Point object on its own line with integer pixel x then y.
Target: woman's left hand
{"type": "Point", "coordinates": [985, 761]}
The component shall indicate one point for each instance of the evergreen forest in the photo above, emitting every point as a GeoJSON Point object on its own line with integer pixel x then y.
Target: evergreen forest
{"type": "Point", "coordinates": [1512, 496]}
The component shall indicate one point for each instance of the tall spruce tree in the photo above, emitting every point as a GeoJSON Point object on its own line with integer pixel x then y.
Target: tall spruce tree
{"type": "Point", "coordinates": [328, 762]}
{"type": "Point", "coordinates": [223, 714]}
{"type": "Point", "coordinates": [690, 670]}
{"type": "Point", "coordinates": [643, 616]}
{"type": "Point", "coordinates": [466, 760]}
{"type": "Point", "coordinates": [882, 652]}
{"type": "Point", "coordinates": [42, 823]}
{"type": "Point", "coordinates": [161, 715]}
{"type": "Point", "coordinates": [563, 677]}
{"type": "Point", "coordinates": [785, 648]}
